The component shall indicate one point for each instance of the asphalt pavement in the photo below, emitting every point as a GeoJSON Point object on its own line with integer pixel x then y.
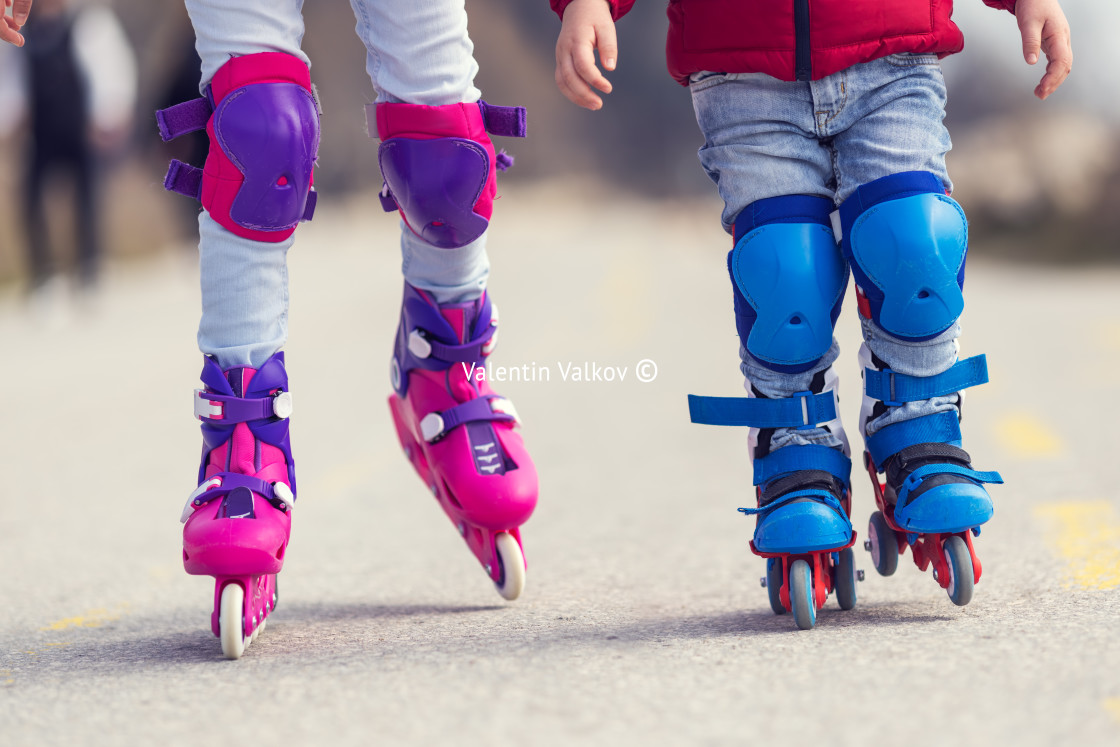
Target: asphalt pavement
{"type": "Point", "coordinates": [643, 620]}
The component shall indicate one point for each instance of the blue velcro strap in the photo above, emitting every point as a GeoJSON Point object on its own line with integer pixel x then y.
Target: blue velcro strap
{"type": "Point", "coordinates": [803, 410]}
{"type": "Point", "coordinates": [893, 187]}
{"type": "Point", "coordinates": [938, 428]}
{"type": "Point", "coordinates": [797, 458]}
{"type": "Point", "coordinates": [894, 388]}
{"type": "Point", "coordinates": [819, 496]}
{"type": "Point", "coordinates": [914, 479]}
{"type": "Point", "coordinates": [785, 209]}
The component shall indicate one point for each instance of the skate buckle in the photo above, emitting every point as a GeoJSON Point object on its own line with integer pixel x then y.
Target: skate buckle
{"type": "Point", "coordinates": [282, 404]}
{"type": "Point", "coordinates": [205, 408]}
{"type": "Point", "coordinates": [193, 501]}
{"type": "Point", "coordinates": [890, 401]}
{"type": "Point", "coordinates": [810, 418]}
{"type": "Point", "coordinates": [418, 345]}
{"type": "Point", "coordinates": [283, 493]}
{"type": "Point", "coordinates": [431, 427]}
{"type": "Point", "coordinates": [505, 407]}
{"type": "Point", "coordinates": [488, 347]}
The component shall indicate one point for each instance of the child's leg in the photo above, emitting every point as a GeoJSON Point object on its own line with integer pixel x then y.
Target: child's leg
{"type": "Point", "coordinates": [439, 166]}
{"type": "Point", "coordinates": [257, 91]}
{"type": "Point", "coordinates": [244, 279]}
{"type": "Point", "coordinates": [907, 240]}
{"type": "Point", "coordinates": [788, 280]}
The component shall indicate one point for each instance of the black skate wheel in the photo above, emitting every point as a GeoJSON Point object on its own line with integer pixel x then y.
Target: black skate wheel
{"type": "Point", "coordinates": [774, 584]}
{"type": "Point", "coordinates": [845, 580]}
{"type": "Point", "coordinates": [961, 577]}
{"type": "Point", "coordinates": [884, 546]}
{"type": "Point", "coordinates": [801, 595]}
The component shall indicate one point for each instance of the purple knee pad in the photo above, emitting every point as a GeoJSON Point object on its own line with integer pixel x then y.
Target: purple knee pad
{"type": "Point", "coordinates": [263, 122]}
{"type": "Point", "coordinates": [439, 165]}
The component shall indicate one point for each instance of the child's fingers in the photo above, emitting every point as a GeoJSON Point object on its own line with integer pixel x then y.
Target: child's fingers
{"type": "Point", "coordinates": [1031, 29]}
{"type": "Point", "coordinates": [573, 86]}
{"type": "Point", "coordinates": [21, 11]}
{"type": "Point", "coordinates": [1059, 55]}
{"type": "Point", "coordinates": [607, 42]}
{"type": "Point", "coordinates": [9, 33]}
{"type": "Point", "coordinates": [583, 59]}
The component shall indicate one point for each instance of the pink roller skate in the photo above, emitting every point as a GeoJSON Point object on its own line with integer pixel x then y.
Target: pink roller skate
{"type": "Point", "coordinates": [458, 434]}
{"type": "Point", "coordinates": [439, 168]}
{"type": "Point", "coordinates": [238, 520]}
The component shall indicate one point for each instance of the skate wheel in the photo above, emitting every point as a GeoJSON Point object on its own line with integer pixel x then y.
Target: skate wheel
{"type": "Point", "coordinates": [774, 585]}
{"type": "Point", "coordinates": [959, 560]}
{"type": "Point", "coordinates": [801, 595]}
{"type": "Point", "coordinates": [513, 566]}
{"type": "Point", "coordinates": [884, 547]}
{"type": "Point", "coordinates": [230, 621]}
{"type": "Point", "coordinates": [845, 581]}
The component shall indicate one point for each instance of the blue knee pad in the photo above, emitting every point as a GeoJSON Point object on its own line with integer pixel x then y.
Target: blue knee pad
{"type": "Point", "coordinates": [906, 241]}
{"type": "Point", "coordinates": [789, 280]}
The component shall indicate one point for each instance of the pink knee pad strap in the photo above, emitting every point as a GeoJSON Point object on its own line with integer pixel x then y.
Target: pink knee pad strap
{"type": "Point", "coordinates": [438, 164]}
{"type": "Point", "coordinates": [263, 121]}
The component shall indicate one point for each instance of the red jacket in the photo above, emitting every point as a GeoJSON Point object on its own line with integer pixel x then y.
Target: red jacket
{"type": "Point", "coordinates": [799, 39]}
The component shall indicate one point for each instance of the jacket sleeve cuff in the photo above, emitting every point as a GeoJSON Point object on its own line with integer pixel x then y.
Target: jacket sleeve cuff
{"type": "Point", "coordinates": [1008, 5]}
{"type": "Point", "coordinates": [619, 8]}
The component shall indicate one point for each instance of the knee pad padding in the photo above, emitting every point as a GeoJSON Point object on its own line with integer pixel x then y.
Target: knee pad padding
{"type": "Point", "coordinates": [262, 118]}
{"type": "Point", "coordinates": [908, 254]}
{"type": "Point", "coordinates": [264, 139]}
{"type": "Point", "coordinates": [439, 165]}
{"type": "Point", "coordinates": [789, 280]}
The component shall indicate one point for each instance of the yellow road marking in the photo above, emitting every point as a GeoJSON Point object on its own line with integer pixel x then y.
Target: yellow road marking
{"type": "Point", "coordinates": [1088, 539]}
{"type": "Point", "coordinates": [1112, 705]}
{"type": "Point", "coordinates": [91, 619]}
{"type": "Point", "coordinates": [1027, 436]}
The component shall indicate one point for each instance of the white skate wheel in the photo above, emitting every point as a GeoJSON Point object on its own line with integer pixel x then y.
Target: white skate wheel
{"type": "Point", "coordinates": [230, 621]}
{"type": "Point", "coordinates": [513, 566]}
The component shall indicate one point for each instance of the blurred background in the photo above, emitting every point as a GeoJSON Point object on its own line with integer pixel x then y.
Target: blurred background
{"type": "Point", "coordinates": [1040, 181]}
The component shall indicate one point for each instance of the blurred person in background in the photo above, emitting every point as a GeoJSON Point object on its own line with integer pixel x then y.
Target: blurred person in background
{"type": "Point", "coordinates": [74, 82]}
{"type": "Point", "coordinates": [438, 168]}
{"type": "Point", "coordinates": [823, 133]}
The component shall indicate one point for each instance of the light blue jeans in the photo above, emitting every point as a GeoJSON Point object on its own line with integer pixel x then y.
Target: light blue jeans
{"type": "Point", "coordinates": [418, 52]}
{"type": "Point", "coordinates": [764, 137]}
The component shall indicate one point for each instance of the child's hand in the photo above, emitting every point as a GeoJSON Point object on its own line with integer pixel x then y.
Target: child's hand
{"type": "Point", "coordinates": [1043, 25]}
{"type": "Point", "coordinates": [587, 26]}
{"type": "Point", "coordinates": [10, 25]}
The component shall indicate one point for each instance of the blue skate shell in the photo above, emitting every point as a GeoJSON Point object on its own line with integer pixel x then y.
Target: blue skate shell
{"type": "Point", "coordinates": [952, 507]}
{"type": "Point", "coordinates": [801, 521]}
{"type": "Point", "coordinates": [907, 243]}
{"type": "Point", "coordinates": [790, 280]}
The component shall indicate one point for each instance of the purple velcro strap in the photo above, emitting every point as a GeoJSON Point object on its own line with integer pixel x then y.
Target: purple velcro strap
{"type": "Point", "coordinates": [180, 119]}
{"type": "Point", "coordinates": [312, 199]}
{"type": "Point", "coordinates": [183, 179]}
{"type": "Point", "coordinates": [239, 409]}
{"type": "Point", "coordinates": [232, 481]}
{"type": "Point", "coordinates": [506, 121]}
{"type": "Point", "coordinates": [388, 202]}
{"type": "Point", "coordinates": [471, 411]}
{"type": "Point", "coordinates": [468, 353]}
